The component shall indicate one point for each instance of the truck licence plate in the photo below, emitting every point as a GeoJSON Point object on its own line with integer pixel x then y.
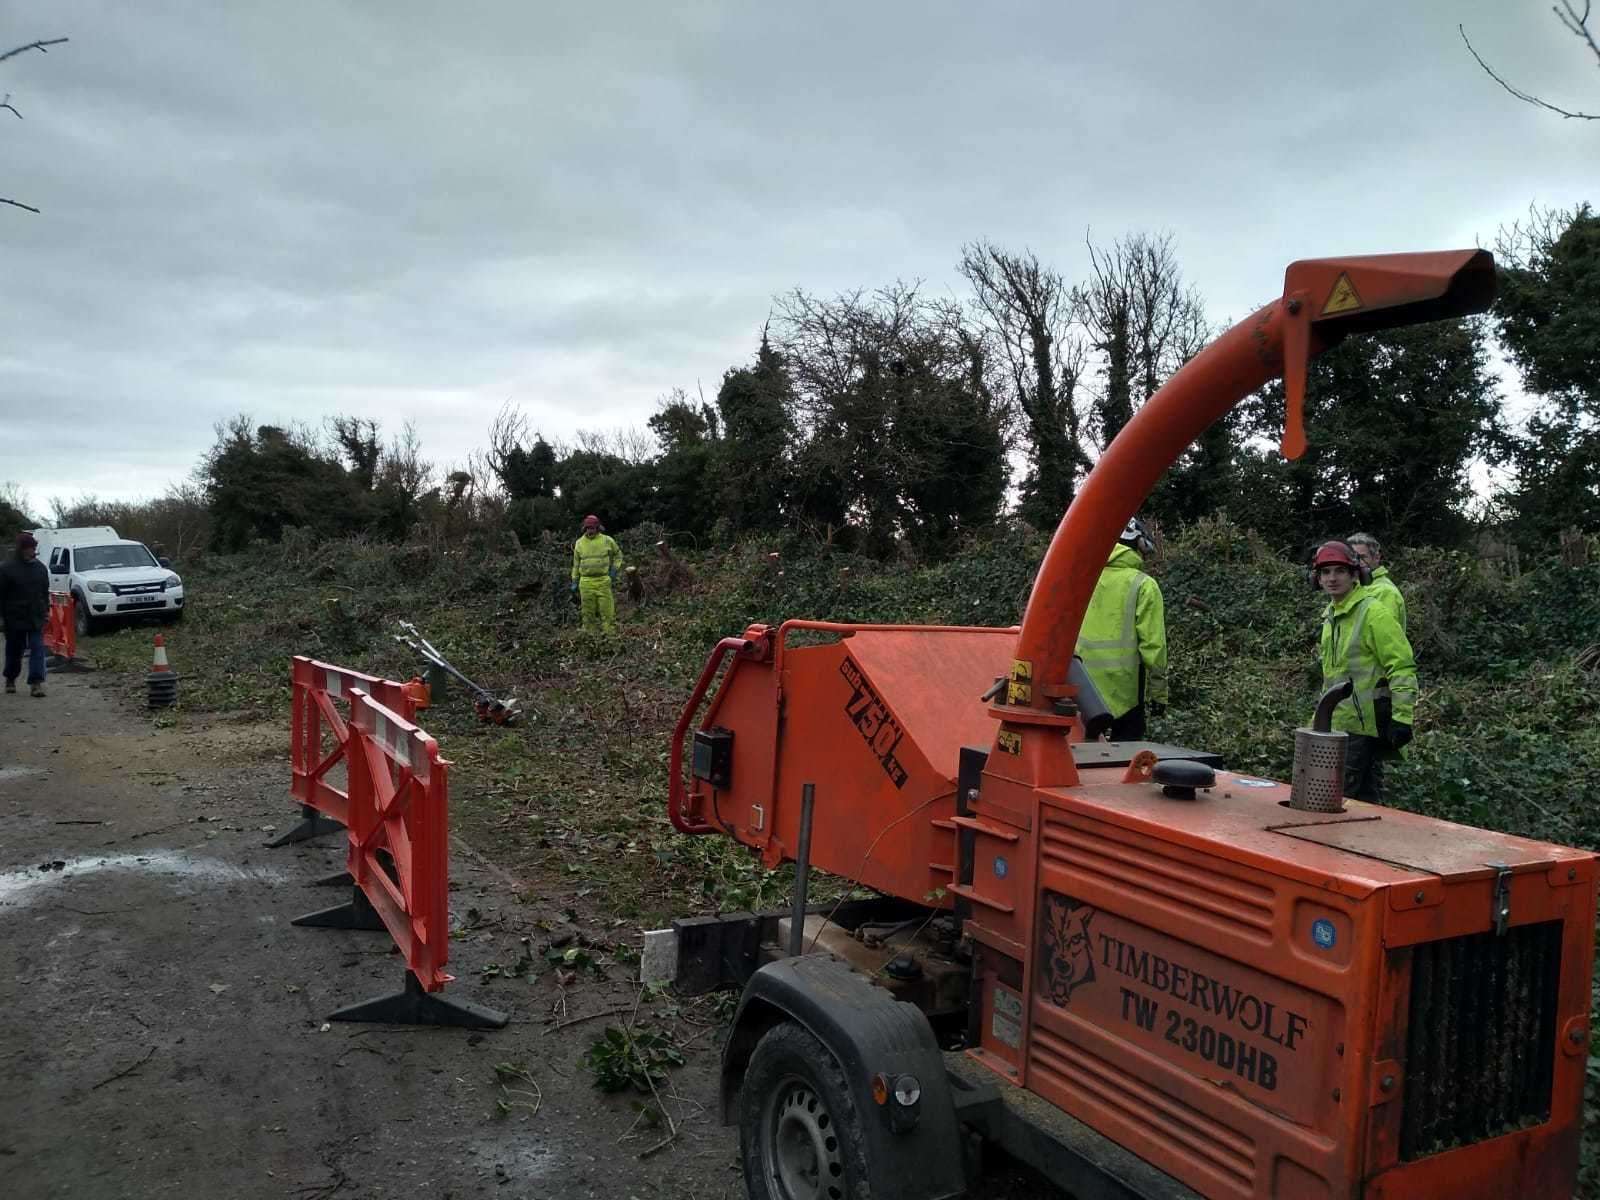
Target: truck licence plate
{"type": "Point", "coordinates": [141, 600]}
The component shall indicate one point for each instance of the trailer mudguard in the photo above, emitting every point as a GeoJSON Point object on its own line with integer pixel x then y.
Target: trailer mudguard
{"type": "Point", "coordinates": [867, 1031]}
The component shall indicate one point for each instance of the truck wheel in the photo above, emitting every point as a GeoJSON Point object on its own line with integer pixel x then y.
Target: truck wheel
{"type": "Point", "coordinates": [82, 623]}
{"type": "Point", "coordinates": [800, 1136]}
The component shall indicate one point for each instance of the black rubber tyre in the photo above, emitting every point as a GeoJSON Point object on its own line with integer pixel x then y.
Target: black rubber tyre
{"type": "Point", "coordinates": [82, 622]}
{"type": "Point", "coordinates": [800, 1135]}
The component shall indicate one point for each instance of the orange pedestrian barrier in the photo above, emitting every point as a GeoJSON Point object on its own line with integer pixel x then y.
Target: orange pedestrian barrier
{"type": "Point", "coordinates": [61, 630]}
{"type": "Point", "coordinates": [399, 858]}
{"type": "Point", "coordinates": [319, 736]}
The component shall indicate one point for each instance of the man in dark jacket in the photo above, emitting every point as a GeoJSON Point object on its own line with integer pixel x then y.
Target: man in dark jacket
{"type": "Point", "coordinates": [25, 607]}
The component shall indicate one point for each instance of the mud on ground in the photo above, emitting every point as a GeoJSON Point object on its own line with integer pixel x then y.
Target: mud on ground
{"type": "Point", "coordinates": [165, 1029]}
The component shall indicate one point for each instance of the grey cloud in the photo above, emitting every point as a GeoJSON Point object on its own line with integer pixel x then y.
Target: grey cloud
{"type": "Point", "coordinates": [411, 211]}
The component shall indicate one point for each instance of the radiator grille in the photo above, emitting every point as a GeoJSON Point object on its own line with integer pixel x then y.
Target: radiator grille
{"type": "Point", "coordinates": [1480, 1041]}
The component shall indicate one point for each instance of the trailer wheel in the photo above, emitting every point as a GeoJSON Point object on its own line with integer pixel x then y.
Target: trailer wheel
{"type": "Point", "coordinates": [800, 1136]}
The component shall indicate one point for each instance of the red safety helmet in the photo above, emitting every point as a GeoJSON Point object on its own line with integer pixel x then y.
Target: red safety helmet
{"type": "Point", "coordinates": [1335, 554]}
{"type": "Point", "coordinates": [1339, 554]}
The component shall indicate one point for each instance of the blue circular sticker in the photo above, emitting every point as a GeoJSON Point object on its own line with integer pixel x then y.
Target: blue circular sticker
{"type": "Point", "coordinates": [1000, 867]}
{"type": "Point", "coordinates": [1323, 934]}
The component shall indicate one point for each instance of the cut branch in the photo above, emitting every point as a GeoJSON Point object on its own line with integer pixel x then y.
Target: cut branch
{"type": "Point", "coordinates": [18, 204]}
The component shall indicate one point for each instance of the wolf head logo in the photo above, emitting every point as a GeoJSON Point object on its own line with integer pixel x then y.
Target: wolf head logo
{"type": "Point", "coordinates": [1068, 959]}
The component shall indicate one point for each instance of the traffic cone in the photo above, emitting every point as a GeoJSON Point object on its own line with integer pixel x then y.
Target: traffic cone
{"type": "Point", "coordinates": [161, 685]}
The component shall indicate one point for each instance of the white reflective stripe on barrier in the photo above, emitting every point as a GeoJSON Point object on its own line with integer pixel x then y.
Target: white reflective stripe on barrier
{"type": "Point", "coordinates": [402, 741]}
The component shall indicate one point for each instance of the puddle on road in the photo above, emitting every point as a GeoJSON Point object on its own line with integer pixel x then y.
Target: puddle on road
{"type": "Point", "coordinates": [518, 1160]}
{"type": "Point", "coordinates": [12, 774]}
{"type": "Point", "coordinates": [21, 885]}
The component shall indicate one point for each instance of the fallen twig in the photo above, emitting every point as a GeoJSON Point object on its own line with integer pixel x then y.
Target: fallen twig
{"type": "Point", "coordinates": [604, 1012]}
{"type": "Point", "coordinates": [321, 1191]}
{"type": "Point", "coordinates": [504, 1071]}
{"type": "Point", "coordinates": [150, 1053]}
{"type": "Point", "coordinates": [672, 1126]}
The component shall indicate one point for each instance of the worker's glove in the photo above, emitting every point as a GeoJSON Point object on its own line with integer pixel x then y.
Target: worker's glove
{"type": "Point", "coordinates": [1399, 734]}
{"type": "Point", "coordinates": [613, 574]}
{"type": "Point", "coordinates": [1158, 708]}
{"type": "Point", "coordinates": [574, 588]}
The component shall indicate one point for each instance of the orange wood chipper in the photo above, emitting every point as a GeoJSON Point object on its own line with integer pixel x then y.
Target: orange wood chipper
{"type": "Point", "coordinates": [1143, 974]}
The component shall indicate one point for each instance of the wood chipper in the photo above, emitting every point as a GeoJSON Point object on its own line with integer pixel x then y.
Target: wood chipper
{"type": "Point", "coordinates": [1142, 973]}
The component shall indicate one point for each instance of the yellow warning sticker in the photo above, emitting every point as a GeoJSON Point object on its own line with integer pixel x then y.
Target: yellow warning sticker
{"type": "Point", "coordinates": [1009, 742]}
{"type": "Point", "coordinates": [1021, 668]}
{"type": "Point", "coordinates": [1343, 298]}
{"type": "Point", "coordinates": [1019, 692]}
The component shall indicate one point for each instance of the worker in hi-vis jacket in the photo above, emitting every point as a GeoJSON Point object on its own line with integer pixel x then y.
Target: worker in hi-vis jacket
{"type": "Point", "coordinates": [596, 563]}
{"type": "Point", "coordinates": [1123, 641]}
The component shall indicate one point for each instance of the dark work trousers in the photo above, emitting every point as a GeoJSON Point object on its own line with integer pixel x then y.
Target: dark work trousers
{"type": "Point", "coordinates": [1129, 727]}
{"type": "Point", "coordinates": [1363, 768]}
{"type": "Point", "coordinates": [31, 641]}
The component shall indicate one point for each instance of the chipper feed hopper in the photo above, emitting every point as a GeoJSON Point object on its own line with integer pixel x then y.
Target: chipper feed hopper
{"type": "Point", "coordinates": [1151, 976]}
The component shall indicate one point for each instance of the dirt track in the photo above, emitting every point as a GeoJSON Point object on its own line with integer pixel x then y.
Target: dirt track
{"type": "Point", "coordinates": [164, 1031]}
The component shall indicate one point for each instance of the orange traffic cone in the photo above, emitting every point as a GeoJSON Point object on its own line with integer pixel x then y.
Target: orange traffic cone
{"type": "Point", "coordinates": [161, 685]}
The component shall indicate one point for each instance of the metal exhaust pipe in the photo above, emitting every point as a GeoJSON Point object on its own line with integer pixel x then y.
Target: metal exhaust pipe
{"type": "Point", "coordinates": [1317, 782]}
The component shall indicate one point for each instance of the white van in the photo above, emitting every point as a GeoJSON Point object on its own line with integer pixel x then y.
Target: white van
{"type": "Point", "coordinates": [109, 576]}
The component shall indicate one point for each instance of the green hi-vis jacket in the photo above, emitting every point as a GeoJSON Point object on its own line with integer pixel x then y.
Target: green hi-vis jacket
{"type": "Point", "coordinates": [1125, 628]}
{"type": "Point", "coordinates": [1385, 593]}
{"type": "Point", "coordinates": [595, 556]}
{"type": "Point", "coordinates": [1361, 641]}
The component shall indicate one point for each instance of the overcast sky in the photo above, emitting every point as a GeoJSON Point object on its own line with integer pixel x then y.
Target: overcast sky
{"type": "Point", "coordinates": [418, 212]}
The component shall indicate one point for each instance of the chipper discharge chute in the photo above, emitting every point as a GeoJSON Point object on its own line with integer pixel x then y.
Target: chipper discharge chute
{"type": "Point", "coordinates": [1169, 979]}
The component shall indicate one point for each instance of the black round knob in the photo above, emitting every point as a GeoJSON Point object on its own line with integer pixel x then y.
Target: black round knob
{"type": "Point", "coordinates": [903, 966]}
{"type": "Point", "coordinates": [1179, 777]}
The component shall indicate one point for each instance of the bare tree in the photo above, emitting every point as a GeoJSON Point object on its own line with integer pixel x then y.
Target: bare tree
{"type": "Point", "coordinates": [631, 444]}
{"type": "Point", "coordinates": [356, 438]}
{"type": "Point", "coordinates": [1575, 23]}
{"type": "Point", "coordinates": [1027, 309]}
{"type": "Point", "coordinates": [402, 465]}
{"type": "Point", "coordinates": [509, 431]}
{"type": "Point", "coordinates": [43, 47]}
{"type": "Point", "coordinates": [1143, 320]}
{"type": "Point", "coordinates": [901, 430]}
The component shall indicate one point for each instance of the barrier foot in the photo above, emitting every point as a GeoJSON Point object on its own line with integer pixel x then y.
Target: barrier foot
{"type": "Point", "coordinates": [337, 879]}
{"type": "Point", "coordinates": [413, 1006]}
{"type": "Point", "coordinates": [357, 914]}
{"type": "Point", "coordinates": [312, 824]}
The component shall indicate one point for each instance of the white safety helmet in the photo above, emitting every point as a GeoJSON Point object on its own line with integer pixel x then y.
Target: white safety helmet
{"type": "Point", "coordinates": [1135, 535]}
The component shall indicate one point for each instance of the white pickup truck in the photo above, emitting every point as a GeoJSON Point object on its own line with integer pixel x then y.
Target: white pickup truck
{"type": "Point", "coordinates": [109, 576]}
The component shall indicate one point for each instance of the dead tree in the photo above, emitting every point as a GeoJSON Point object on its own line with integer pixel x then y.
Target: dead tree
{"type": "Point", "coordinates": [1028, 310]}
{"type": "Point", "coordinates": [1143, 320]}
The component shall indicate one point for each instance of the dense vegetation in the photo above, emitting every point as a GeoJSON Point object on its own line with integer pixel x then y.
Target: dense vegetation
{"type": "Point", "coordinates": [1506, 733]}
